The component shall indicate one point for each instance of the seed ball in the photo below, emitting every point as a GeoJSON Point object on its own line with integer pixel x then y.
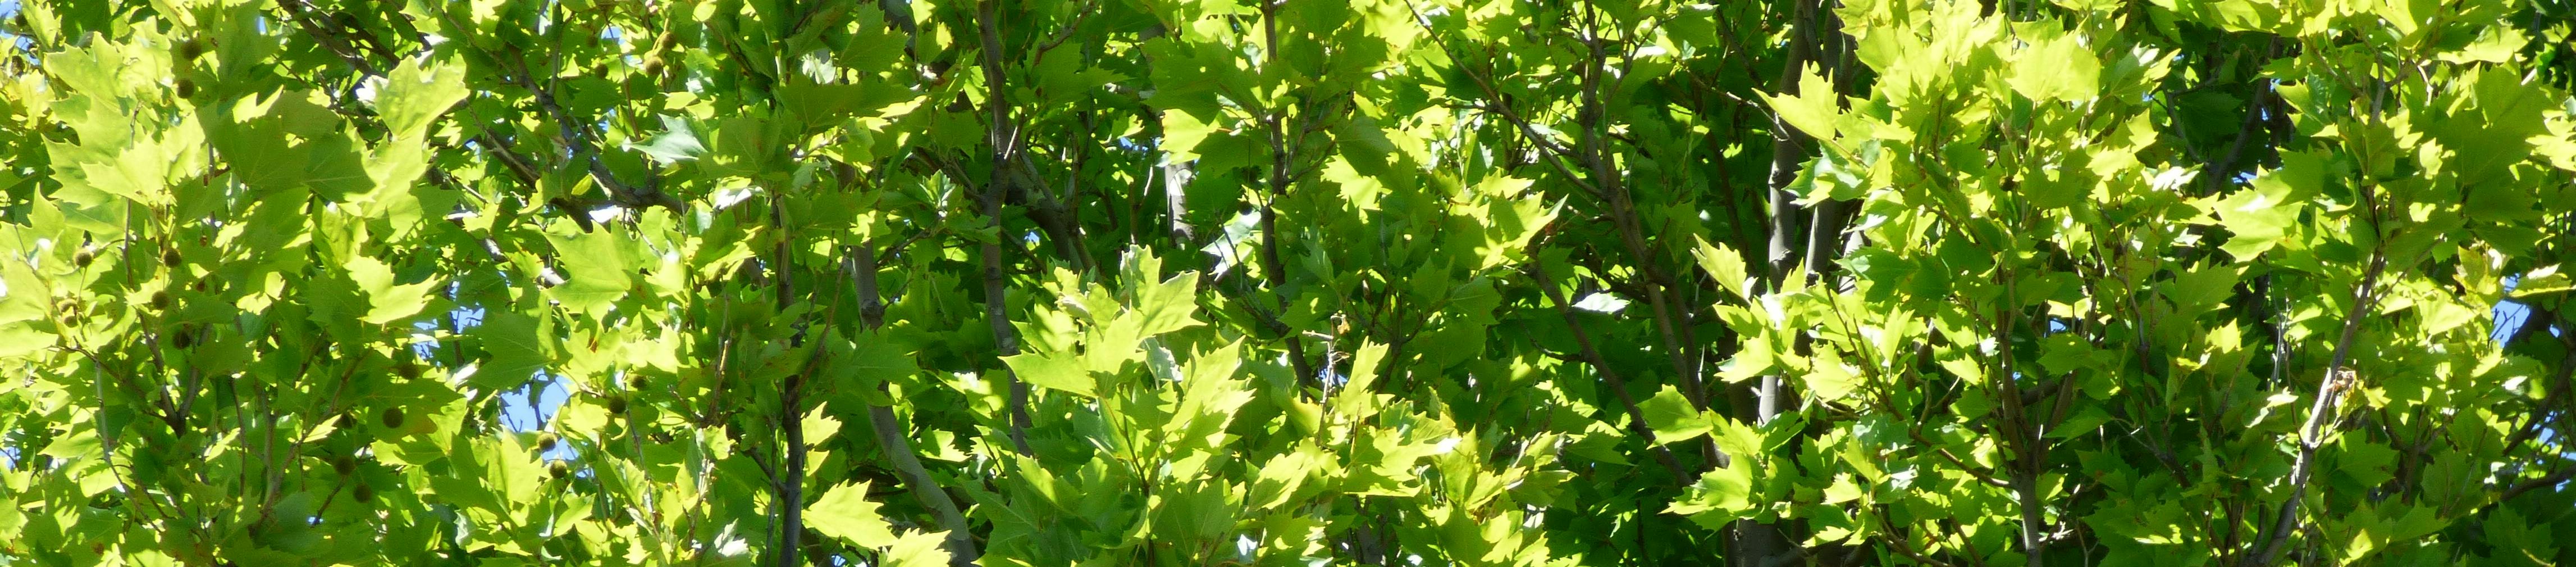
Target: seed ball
{"type": "Point", "coordinates": [404, 367]}
{"type": "Point", "coordinates": [160, 300]}
{"type": "Point", "coordinates": [559, 469]}
{"type": "Point", "coordinates": [635, 382]}
{"type": "Point", "coordinates": [393, 418]}
{"type": "Point", "coordinates": [545, 442]}
{"type": "Point", "coordinates": [170, 258]}
{"type": "Point", "coordinates": [667, 41]}
{"type": "Point", "coordinates": [83, 258]}
{"type": "Point", "coordinates": [363, 493]}
{"type": "Point", "coordinates": [344, 465]}
{"type": "Point", "coordinates": [190, 49]}
{"type": "Point", "coordinates": [653, 68]}
{"type": "Point", "coordinates": [617, 405]}
{"type": "Point", "coordinates": [184, 338]}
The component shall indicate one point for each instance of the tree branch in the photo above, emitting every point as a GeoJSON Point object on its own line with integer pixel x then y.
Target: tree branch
{"type": "Point", "coordinates": [1004, 141]}
{"type": "Point", "coordinates": [2337, 378]}
{"type": "Point", "coordinates": [1636, 418]}
{"type": "Point", "coordinates": [889, 433]}
{"type": "Point", "coordinates": [1281, 158]}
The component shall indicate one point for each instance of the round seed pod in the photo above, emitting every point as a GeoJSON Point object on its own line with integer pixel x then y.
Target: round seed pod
{"type": "Point", "coordinates": [182, 338]}
{"type": "Point", "coordinates": [559, 469]}
{"type": "Point", "coordinates": [170, 256]}
{"type": "Point", "coordinates": [160, 300]}
{"type": "Point", "coordinates": [190, 49]}
{"type": "Point", "coordinates": [404, 367]}
{"type": "Point", "coordinates": [344, 465]}
{"type": "Point", "coordinates": [363, 493]}
{"type": "Point", "coordinates": [393, 418]}
{"type": "Point", "coordinates": [185, 88]}
{"type": "Point", "coordinates": [84, 257]}
{"type": "Point", "coordinates": [545, 442]}
{"type": "Point", "coordinates": [617, 405]}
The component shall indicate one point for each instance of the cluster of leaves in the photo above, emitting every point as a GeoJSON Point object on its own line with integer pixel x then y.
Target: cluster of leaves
{"type": "Point", "coordinates": [948, 282]}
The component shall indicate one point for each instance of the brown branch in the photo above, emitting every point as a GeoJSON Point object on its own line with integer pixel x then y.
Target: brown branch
{"type": "Point", "coordinates": [1496, 103]}
{"type": "Point", "coordinates": [2364, 297]}
{"type": "Point", "coordinates": [1903, 544]}
{"type": "Point", "coordinates": [1636, 417]}
{"type": "Point", "coordinates": [1281, 159]}
{"type": "Point", "coordinates": [2018, 429]}
{"type": "Point", "coordinates": [573, 133]}
{"type": "Point", "coordinates": [791, 410]}
{"type": "Point", "coordinates": [889, 433]}
{"type": "Point", "coordinates": [2554, 479]}
{"type": "Point", "coordinates": [295, 11]}
{"type": "Point", "coordinates": [1003, 139]}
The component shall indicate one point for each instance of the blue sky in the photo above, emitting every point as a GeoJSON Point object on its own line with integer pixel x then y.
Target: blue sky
{"type": "Point", "coordinates": [527, 408]}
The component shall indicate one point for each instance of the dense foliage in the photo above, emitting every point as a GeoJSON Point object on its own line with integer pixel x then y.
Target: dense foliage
{"type": "Point", "coordinates": [1287, 282]}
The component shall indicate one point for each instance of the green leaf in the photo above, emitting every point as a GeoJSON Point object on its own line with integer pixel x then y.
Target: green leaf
{"type": "Point", "coordinates": [2066, 354]}
{"type": "Point", "coordinates": [1726, 266]}
{"type": "Point", "coordinates": [675, 143]}
{"type": "Point", "coordinates": [844, 512]}
{"type": "Point", "coordinates": [1672, 417]}
{"type": "Point", "coordinates": [917, 549]}
{"type": "Point", "coordinates": [19, 338]}
{"type": "Point", "coordinates": [2060, 68]}
{"type": "Point", "coordinates": [2203, 287]}
{"type": "Point", "coordinates": [1814, 110]}
{"type": "Point", "coordinates": [1830, 379]}
{"type": "Point", "coordinates": [417, 92]}
{"type": "Point", "coordinates": [516, 350]}
{"type": "Point", "coordinates": [598, 270]}
{"type": "Point", "coordinates": [1059, 373]}
{"type": "Point", "coordinates": [872, 359]}
{"type": "Point", "coordinates": [1184, 133]}
{"type": "Point", "coordinates": [1721, 496]}
{"type": "Point", "coordinates": [1279, 479]}
{"type": "Point", "coordinates": [1741, 442]}
{"type": "Point", "coordinates": [2543, 281]}
{"type": "Point", "coordinates": [2260, 216]}
{"type": "Point", "coordinates": [1163, 307]}
{"type": "Point", "coordinates": [1357, 397]}
{"type": "Point", "coordinates": [388, 301]}
{"type": "Point", "coordinates": [1211, 394]}
{"type": "Point", "coordinates": [2369, 463]}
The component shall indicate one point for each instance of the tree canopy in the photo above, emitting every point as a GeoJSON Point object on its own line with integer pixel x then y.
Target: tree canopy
{"type": "Point", "coordinates": [1287, 282]}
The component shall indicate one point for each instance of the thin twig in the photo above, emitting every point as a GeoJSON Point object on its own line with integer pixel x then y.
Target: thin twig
{"type": "Point", "coordinates": [1583, 339]}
